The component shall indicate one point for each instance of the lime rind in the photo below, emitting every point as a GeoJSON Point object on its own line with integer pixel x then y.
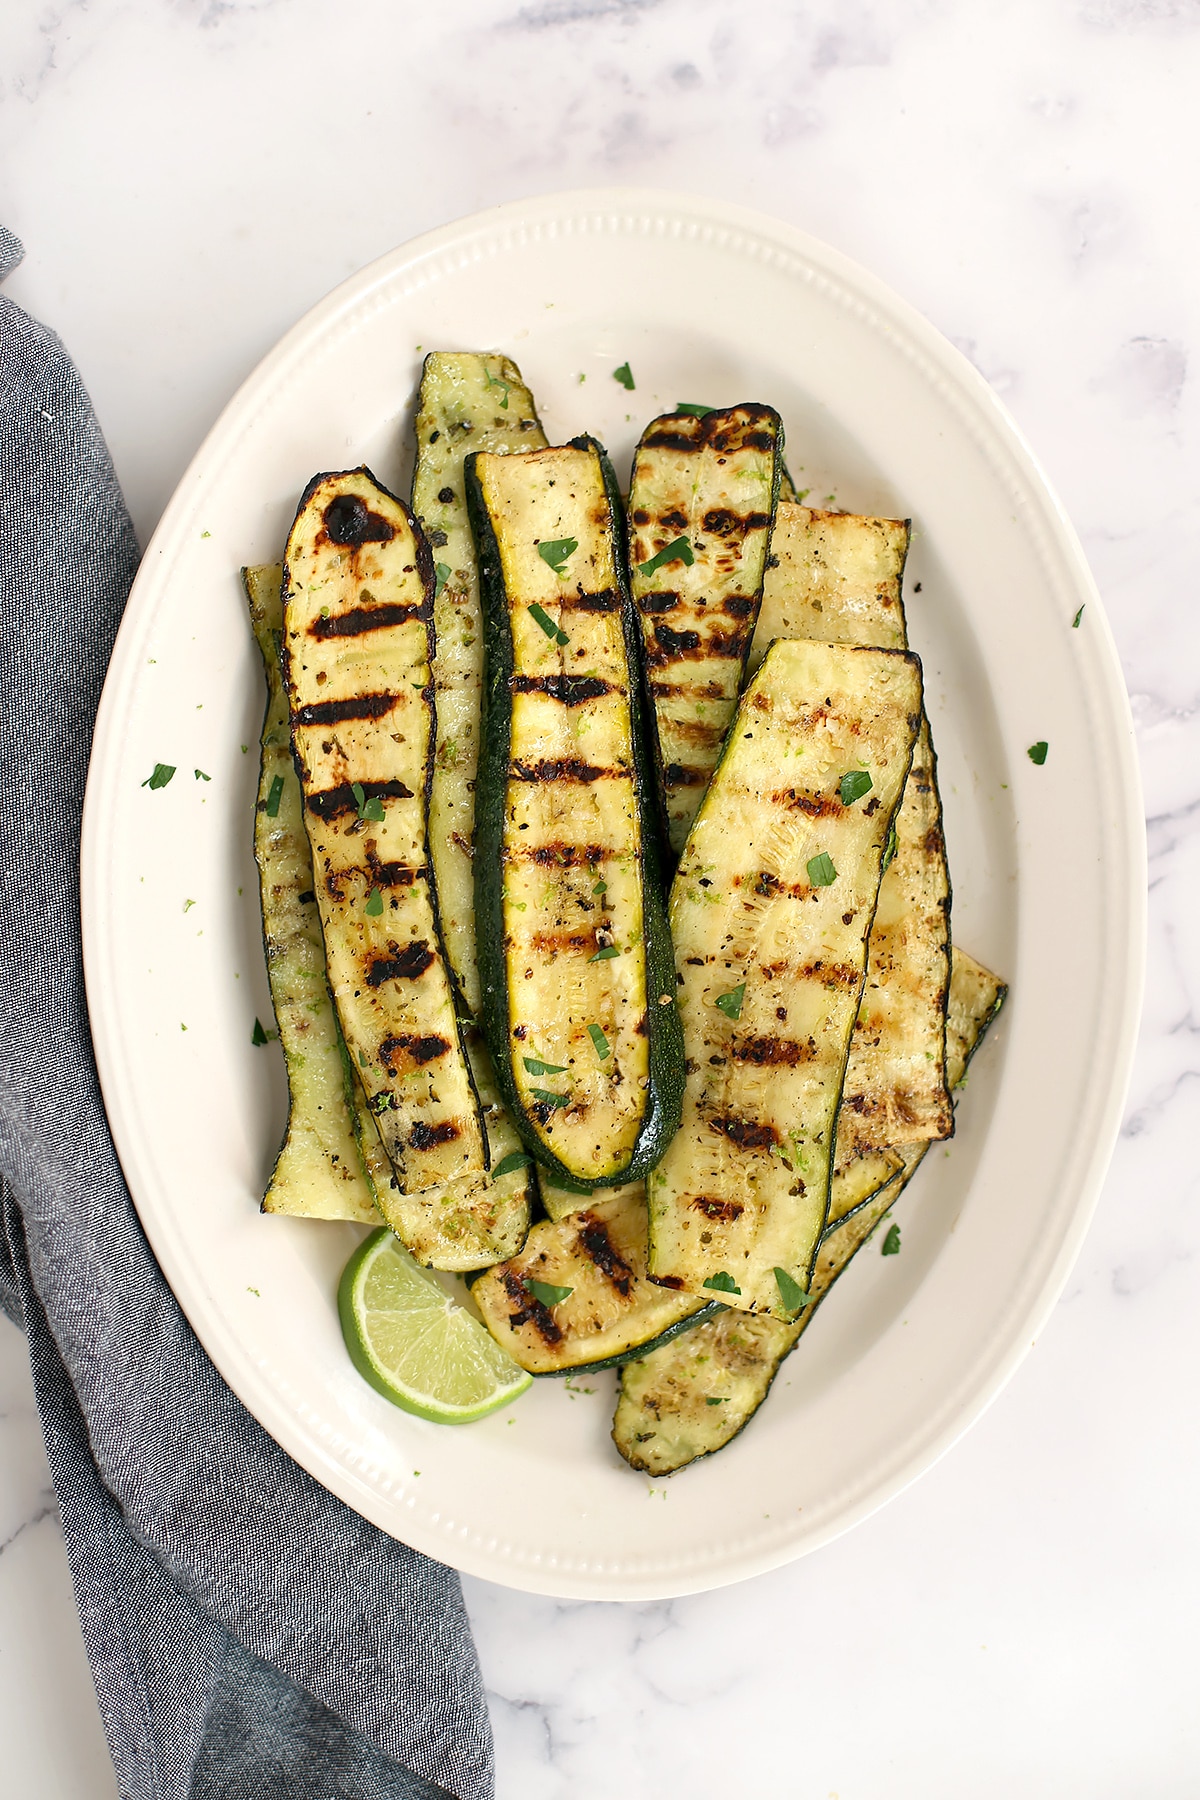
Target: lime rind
{"type": "Point", "coordinates": [414, 1345]}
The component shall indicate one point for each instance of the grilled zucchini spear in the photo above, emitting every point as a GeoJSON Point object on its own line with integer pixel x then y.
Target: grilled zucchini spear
{"type": "Point", "coordinates": [836, 577]}
{"type": "Point", "coordinates": [771, 909]}
{"type": "Point", "coordinates": [317, 1174]}
{"type": "Point", "coordinates": [467, 402]}
{"type": "Point", "coordinates": [689, 1399]}
{"type": "Point", "coordinates": [574, 954]}
{"type": "Point", "coordinates": [701, 501]}
{"type": "Point", "coordinates": [358, 595]}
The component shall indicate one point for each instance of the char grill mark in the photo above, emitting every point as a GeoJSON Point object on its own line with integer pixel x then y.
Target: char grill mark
{"type": "Point", "coordinates": [673, 643]}
{"type": "Point", "coordinates": [677, 775]}
{"type": "Point", "coordinates": [659, 601]}
{"type": "Point", "coordinates": [605, 600]}
{"type": "Point", "coordinates": [721, 521]}
{"type": "Point", "coordinates": [361, 619]}
{"type": "Point", "coordinates": [550, 943]}
{"type": "Point", "coordinates": [572, 690]}
{"type": "Point", "coordinates": [816, 806]}
{"type": "Point", "coordinates": [739, 606]}
{"type": "Point", "coordinates": [408, 964]}
{"type": "Point", "coordinates": [428, 1137]}
{"type": "Point", "coordinates": [560, 855]}
{"type": "Point", "coordinates": [409, 1051]}
{"type": "Point", "coordinates": [679, 646]}
{"type": "Point", "coordinates": [688, 690]}
{"type": "Point", "coordinates": [331, 803]}
{"type": "Point", "coordinates": [771, 1052]}
{"type": "Point", "coordinates": [599, 1247]}
{"type": "Point", "coordinates": [725, 1210]}
{"type": "Point", "coordinates": [563, 768]}
{"type": "Point", "coordinates": [349, 520]}
{"type": "Point", "coordinates": [336, 712]}
{"type": "Point", "coordinates": [529, 1310]}
{"type": "Point", "coordinates": [745, 1133]}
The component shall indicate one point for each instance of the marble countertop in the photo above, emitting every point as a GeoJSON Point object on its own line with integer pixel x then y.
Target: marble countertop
{"type": "Point", "coordinates": [188, 177]}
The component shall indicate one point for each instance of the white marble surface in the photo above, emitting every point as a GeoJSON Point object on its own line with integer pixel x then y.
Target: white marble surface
{"type": "Point", "coordinates": [188, 176]}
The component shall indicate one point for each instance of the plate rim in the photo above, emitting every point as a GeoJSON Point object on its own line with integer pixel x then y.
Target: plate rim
{"type": "Point", "coordinates": [1106, 687]}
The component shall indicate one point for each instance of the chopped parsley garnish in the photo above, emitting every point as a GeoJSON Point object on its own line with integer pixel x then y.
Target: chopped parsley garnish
{"type": "Point", "coordinates": [601, 887]}
{"type": "Point", "coordinates": [495, 381]}
{"type": "Point", "coordinates": [550, 1099]}
{"type": "Point", "coordinates": [200, 775]}
{"type": "Point", "coordinates": [625, 376]}
{"type": "Point", "coordinates": [855, 783]}
{"type": "Point", "coordinates": [1076, 619]}
{"type": "Point", "coordinates": [791, 1295]}
{"type": "Point", "coordinates": [382, 1102]}
{"type": "Point", "coordinates": [709, 1401]}
{"type": "Point", "coordinates": [693, 410]}
{"type": "Point", "coordinates": [891, 1243]}
{"type": "Point", "coordinates": [556, 552]}
{"type": "Point", "coordinates": [602, 1045]}
{"type": "Point", "coordinates": [508, 1165]}
{"type": "Point", "coordinates": [162, 774]}
{"type": "Point", "coordinates": [374, 905]}
{"type": "Point", "coordinates": [731, 1003]}
{"type": "Point", "coordinates": [1037, 752]}
{"type": "Point", "coordinates": [274, 797]}
{"type": "Point", "coordinates": [542, 617]}
{"type": "Point", "coordinates": [441, 575]}
{"type": "Point", "coordinates": [604, 953]}
{"type": "Point", "coordinates": [536, 1067]}
{"type": "Point", "coordinates": [259, 1036]}
{"type": "Point", "coordinates": [679, 550]}
{"type": "Point", "coordinates": [371, 808]}
{"type": "Point", "coordinates": [546, 1292]}
{"type": "Point", "coordinates": [821, 871]}
{"type": "Point", "coordinates": [722, 1283]}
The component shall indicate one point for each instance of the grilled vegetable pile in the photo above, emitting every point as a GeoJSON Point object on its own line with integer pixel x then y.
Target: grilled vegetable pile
{"type": "Point", "coordinates": [652, 1115]}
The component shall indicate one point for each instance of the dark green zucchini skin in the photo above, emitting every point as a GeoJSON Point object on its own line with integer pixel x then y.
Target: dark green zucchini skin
{"type": "Point", "coordinates": [664, 1029]}
{"type": "Point", "coordinates": [639, 1350]}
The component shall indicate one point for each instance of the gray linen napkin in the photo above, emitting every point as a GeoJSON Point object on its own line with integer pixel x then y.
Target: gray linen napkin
{"type": "Point", "coordinates": [248, 1634]}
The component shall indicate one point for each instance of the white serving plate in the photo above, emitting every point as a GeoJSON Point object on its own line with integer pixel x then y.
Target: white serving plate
{"type": "Point", "coordinates": [708, 303]}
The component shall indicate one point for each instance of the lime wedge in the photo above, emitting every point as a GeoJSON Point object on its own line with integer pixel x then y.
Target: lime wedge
{"type": "Point", "coordinates": [409, 1340]}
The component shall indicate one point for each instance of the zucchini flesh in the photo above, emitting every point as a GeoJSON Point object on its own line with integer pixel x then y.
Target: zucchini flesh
{"type": "Point", "coordinates": [468, 1224]}
{"type": "Point", "coordinates": [771, 963]}
{"type": "Point", "coordinates": [611, 1311]}
{"type": "Point", "coordinates": [317, 1174]}
{"type": "Point", "coordinates": [467, 402]}
{"type": "Point", "coordinates": [836, 577]}
{"type": "Point", "coordinates": [560, 1202]}
{"type": "Point", "coordinates": [690, 1398]}
{"type": "Point", "coordinates": [358, 587]}
{"type": "Point", "coordinates": [712, 482]}
{"type": "Point", "coordinates": [574, 953]}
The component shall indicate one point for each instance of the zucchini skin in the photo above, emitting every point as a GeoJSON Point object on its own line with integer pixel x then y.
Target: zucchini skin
{"type": "Point", "coordinates": [664, 1078]}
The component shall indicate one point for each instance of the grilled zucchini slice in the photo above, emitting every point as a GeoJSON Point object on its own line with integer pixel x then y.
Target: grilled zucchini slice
{"type": "Point", "coordinates": [574, 953]}
{"type": "Point", "coordinates": [706, 488]}
{"type": "Point", "coordinates": [358, 593]}
{"type": "Point", "coordinates": [467, 402]}
{"type": "Point", "coordinates": [608, 1311]}
{"type": "Point", "coordinates": [689, 1399]}
{"type": "Point", "coordinates": [771, 909]}
{"type": "Point", "coordinates": [836, 577]}
{"type": "Point", "coordinates": [317, 1174]}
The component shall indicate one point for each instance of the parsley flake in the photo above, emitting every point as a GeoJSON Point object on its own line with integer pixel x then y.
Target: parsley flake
{"type": "Point", "coordinates": [601, 1043]}
{"type": "Point", "coordinates": [542, 617]}
{"type": "Point", "coordinates": [604, 953]}
{"type": "Point", "coordinates": [625, 376]}
{"type": "Point", "coordinates": [368, 807]}
{"type": "Point", "coordinates": [731, 1003]}
{"type": "Point", "coordinates": [821, 871]}
{"type": "Point", "coordinates": [722, 1283]}
{"type": "Point", "coordinates": [709, 1401]}
{"type": "Point", "coordinates": [1037, 752]}
{"type": "Point", "coordinates": [679, 550]}
{"type": "Point", "coordinates": [1076, 619]}
{"type": "Point", "coordinates": [271, 806]}
{"type": "Point", "coordinates": [791, 1295]}
{"type": "Point", "coordinates": [547, 1293]}
{"type": "Point", "coordinates": [374, 905]}
{"type": "Point", "coordinates": [200, 775]}
{"type": "Point", "coordinates": [441, 575]}
{"type": "Point", "coordinates": [161, 776]}
{"type": "Point", "coordinates": [891, 1243]}
{"type": "Point", "coordinates": [556, 1100]}
{"type": "Point", "coordinates": [556, 551]}
{"type": "Point", "coordinates": [601, 887]}
{"type": "Point", "coordinates": [508, 1165]}
{"type": "Point", "coordinates": [537, 1067]}
{"type": "Point", "coordinates": [693, 409]}
{"type": "Point", "coordinates": [259, 1036]}
{"type": "Point", "coordinates": [495, 381]}
{"type": "Point", "coordinates": [854, 784]}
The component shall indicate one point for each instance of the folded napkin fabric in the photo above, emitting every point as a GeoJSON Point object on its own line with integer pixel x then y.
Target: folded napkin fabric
{"type": "Point", "coordinates": [248, 1634]}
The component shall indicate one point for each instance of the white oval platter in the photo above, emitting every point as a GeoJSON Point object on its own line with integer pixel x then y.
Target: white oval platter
{"type": "Point", "coordinates": [707, 303]}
